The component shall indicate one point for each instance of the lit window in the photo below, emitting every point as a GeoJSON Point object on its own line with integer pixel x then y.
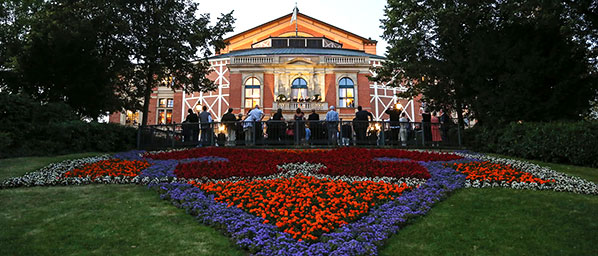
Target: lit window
{"type": "Point", "coordinates": [346, 95]}
{"type": "Point", "coordinates": [165, 116]}
{"type": "Point", "coordinates": [169, 116]}
{"type": "Point", "coordinates": [161, 116]}
{"type": "Point", "coordinates": [165, 106]}
{"type": "Point", "coordinates": [299, 89]}
{"type": "Point", "coordinates": [132, 118]}
{"type": "Point", "coordinates": [252, 92]}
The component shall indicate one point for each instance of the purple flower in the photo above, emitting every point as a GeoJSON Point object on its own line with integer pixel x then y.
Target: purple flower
{"type": "Point", "coordinates": [362, 237]}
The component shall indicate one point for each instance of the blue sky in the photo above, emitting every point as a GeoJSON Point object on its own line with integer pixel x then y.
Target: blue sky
{"type": "Point", "coordinates": [359, 17]}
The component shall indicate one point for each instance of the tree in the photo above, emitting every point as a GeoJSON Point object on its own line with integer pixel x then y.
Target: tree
{"type": "Point", "coordinates": [168, 41]}
{"type": "Point", "coordinates": [503, 60]}
{"type": "Point", "coordinates": [65, 51]}
{"type": "Point", "coordinates": [102, 55]}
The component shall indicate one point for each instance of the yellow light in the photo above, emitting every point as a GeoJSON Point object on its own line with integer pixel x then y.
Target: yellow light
{"type": "Point", "coordinates": [197, 108]}
{"type": "Point", "coordinates": [221, 128]}
{"type": "Point", "coordinates": [398, 105]}
{"type": "Point", "coordinates": [377, 127]}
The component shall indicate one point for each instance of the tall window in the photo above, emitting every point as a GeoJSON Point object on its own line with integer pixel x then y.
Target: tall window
{"type": "Point", "coordinates": [165, 106]}
{"type": "Point", "coordinates": [252, 92]}
{"type": "Point", "coordinates": [299, 89]}
{"type": "Point", "coordinates": [346, 95]}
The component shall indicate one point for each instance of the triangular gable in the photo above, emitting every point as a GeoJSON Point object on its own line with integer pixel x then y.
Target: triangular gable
{"type": "Point", "coordinates": [307, 27]}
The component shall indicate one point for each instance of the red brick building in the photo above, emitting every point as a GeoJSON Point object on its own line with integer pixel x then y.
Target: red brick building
{"type": "Point", "coordinates": [307, 64]}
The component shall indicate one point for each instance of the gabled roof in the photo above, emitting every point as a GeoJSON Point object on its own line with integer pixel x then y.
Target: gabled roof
{"type": "Point", "coordinates": [307, 27]}
{"type": "Point", "coordinates": [305, 16]}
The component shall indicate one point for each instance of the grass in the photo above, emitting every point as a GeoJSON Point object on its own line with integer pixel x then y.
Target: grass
{"type": "Point", "coordinates": [131, 220]}
{"type": "Point", "coordinates": [501, 221]}
{"type": "Point", "coordinates": [12, 167]}
{"type": "Point", "coordinates": [101, 220]}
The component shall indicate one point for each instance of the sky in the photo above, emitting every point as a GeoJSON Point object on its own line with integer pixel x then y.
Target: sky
{"type": "Point", "coordinates": [361, 17]}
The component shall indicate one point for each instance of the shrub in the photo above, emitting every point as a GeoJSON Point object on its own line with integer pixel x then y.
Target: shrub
{"type": "Point", "coordinates": [559, 142]}
{"type": "Point", "coordinates": [30, 128]}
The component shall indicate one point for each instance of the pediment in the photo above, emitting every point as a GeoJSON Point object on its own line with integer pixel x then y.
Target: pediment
{"type": "Point", "coordinates": [299, 61]}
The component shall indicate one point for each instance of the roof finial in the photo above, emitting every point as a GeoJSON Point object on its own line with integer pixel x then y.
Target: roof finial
{"type": "Point", "coordinates": [294, 18]}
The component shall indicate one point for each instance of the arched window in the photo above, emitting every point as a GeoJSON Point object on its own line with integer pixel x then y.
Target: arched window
{"type": "Point", "coordinates": [299, 89]}
{"type": "Point", "coordinates": [252, 92]}
{"type": "Point", "coordinates": [346, 95]}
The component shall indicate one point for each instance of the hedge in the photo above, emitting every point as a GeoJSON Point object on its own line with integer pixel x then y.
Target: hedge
{"type": "Point", "coordinates": [559, 142]}
{"type": "Point", "coordinates": [30, 128]}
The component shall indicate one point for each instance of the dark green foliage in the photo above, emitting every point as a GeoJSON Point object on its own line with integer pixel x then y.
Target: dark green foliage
{"type": "Point", "coordinates": [502, 61]}
{"type": "Point", "coordinates": [31, 128]}
{"type": "Point", "coordinates": [558, 142]}
{"type": "Point", "coordinates": [103, 56]}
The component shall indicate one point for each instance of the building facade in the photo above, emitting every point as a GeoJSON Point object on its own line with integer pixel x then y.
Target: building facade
{"type": "Point", "coordinates": [285, 64]}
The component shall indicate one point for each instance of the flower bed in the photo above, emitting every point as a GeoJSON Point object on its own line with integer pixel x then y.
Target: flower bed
{"type": "Point", "coordinates": [304, 206]}
{"type": "Point", "coordinates": [345, 201]}
{"type": "Point", "coordinates": [111, 167]}
{"type": "Point", "coordinates": [362, 237]}
{"type": "Point", "coordinates": [493, 172]}
{"type": "Point", "coordinates": [345, 161]}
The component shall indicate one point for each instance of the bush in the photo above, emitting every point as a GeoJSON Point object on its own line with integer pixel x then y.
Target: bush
{"type": "Point", "coordinates": [559, 142]}
{"type": "Point", "coordinates": [32, 129]}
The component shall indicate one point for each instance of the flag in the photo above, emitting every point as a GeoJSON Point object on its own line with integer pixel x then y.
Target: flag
{"type": "Point", "coordinates": [294, 17]}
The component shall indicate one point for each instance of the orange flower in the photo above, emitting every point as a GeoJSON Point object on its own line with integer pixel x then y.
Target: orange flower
{"type": "Point", "coordinates": [303, 206]}
{"type": "Point", "coordinates": [111, 167]}
{"type": "Point", "coordinates": [487, 171]}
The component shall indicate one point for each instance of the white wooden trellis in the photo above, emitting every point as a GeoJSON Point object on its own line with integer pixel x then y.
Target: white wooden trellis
{"type": "Point", "coordinates": [380, 94]}
{"type": "Point", "coordinates": [216, 101]}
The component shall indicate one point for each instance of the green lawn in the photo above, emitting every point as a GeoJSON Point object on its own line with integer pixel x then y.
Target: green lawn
{"type": "Point", "coordinates": [131, 220]}
{"type": "Point", "coordinates": [101, 220]}
{"type": "Point", "coordinates": [499, 221]}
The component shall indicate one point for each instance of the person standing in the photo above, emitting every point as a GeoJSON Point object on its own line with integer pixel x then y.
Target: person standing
{"type": "Point", "coordinates": [332, 124]}
{"type": "Point", "coordinates": [299, 118]}
{"type": "Point", "coordinates": [445, 122]}
{"type": "Point", "coordinates": [252, 121]}
{"type": "Point", "coordinates": [239, 130]}
{"type": "Point", "coordinates": [315, 128]}
{"type": "Point", "coordinates": [191, 127]}
{"type": "Point", "coordinates": [275, 127]}
{"type": "Point", "coordinates": [205, 119]}
{"type": "Point", "coordinates": [426, 126]}
{"type": "Point", "coordinates": [404, 124]}
{"type": "Point", "coordinates": [229, 120]}
{"type": "Point", "coordinates": [394, 115]}
{"type": "Point", "coordinates": [435, 129]}
{"type": "Point", "coordinates": [362, 118]}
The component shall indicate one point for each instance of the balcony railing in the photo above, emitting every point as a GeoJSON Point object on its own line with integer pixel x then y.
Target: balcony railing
{"type": "Point", "coordinates": [346, 60]}
{"type": "Point", "coordinates": [302, 105]}
{"type": "Point", "coordinates": [252, 60]}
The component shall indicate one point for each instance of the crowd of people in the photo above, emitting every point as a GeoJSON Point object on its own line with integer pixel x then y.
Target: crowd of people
{"type": "Point", "coordinates": [249, 130]}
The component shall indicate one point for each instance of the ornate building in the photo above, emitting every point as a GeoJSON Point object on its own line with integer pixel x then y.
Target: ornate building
{"type": "Point", "coordinates": [287, 64]}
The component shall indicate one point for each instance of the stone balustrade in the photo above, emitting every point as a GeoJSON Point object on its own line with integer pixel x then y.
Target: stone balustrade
{"type": "Point", "coordinates": [305, 106]}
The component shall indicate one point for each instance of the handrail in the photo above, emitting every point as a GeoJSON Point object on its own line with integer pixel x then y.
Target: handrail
{"type": "Point", "coordinates": [300, 133]}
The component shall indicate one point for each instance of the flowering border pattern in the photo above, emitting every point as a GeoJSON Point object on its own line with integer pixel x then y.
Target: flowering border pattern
{"type": "Point", "coordinates": [362, 237]}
